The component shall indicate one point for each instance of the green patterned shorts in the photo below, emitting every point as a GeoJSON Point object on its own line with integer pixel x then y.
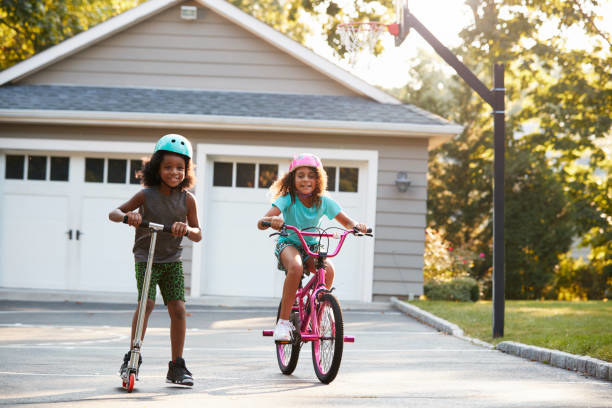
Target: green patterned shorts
{"type": "Point", "coordinates": [169, 277]}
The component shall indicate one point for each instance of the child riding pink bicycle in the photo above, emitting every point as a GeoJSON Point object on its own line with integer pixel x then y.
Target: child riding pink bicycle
{"type": "Point", "coordinates": [301, 198]}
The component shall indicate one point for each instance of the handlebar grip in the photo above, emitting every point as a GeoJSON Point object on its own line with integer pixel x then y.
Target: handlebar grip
{"type": "Point", "coordinates": [266, 224]}
{"type": "Point", "coordinates": [145, 224]}
{"type": "Point", "coordinates": [369, 230]}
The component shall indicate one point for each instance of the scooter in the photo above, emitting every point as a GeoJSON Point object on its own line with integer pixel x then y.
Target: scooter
{"type": "Point", "coordinates": [131, 374]}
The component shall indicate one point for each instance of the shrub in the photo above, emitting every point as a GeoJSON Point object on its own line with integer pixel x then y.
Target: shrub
{"type": "Point", "coordinates": [443, 261]}
{"type": "Point", "coordinates": [578, 280]}
{"type": "Point", "coordinates": [463, 289]}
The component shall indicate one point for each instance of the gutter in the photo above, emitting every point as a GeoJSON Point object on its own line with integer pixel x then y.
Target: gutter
{"type": "Point", "coordinates": [242, 123]}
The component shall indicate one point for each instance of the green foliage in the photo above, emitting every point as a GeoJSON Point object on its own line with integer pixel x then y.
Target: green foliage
{"type": "Point", "coordinates": [578, 280]}
{"type": "Point", "coordinates": [30, 26]}
{"type": "Point", "coordinates": [539, 226]}
{"type": "Point", "coordinates": [463, 289]}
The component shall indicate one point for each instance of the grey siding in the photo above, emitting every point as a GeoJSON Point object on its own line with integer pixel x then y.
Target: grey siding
{"type": "Point", "coordinates": [400, 218]}
{"type": "Point", "coordinates": [210, 53]}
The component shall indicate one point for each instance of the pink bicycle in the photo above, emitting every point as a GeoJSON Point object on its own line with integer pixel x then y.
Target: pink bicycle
{"type": "Point", "coordinates": [316, 315]}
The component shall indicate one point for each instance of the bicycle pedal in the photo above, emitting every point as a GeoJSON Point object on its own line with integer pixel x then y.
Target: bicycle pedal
{"type": "Point", "coordinates": [282, 341]}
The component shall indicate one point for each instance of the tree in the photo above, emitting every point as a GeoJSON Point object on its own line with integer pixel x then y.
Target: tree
{"type": "Point", "coordinates": [566, 96]}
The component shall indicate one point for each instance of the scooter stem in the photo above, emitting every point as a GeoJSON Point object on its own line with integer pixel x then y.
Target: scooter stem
{"type": "Point", "coordinates": [143, 302]}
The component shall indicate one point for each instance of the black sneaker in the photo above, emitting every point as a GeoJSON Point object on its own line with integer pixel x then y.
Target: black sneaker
{"type": "Point", "coordinates": [178, 373]}
{"type": "Point", "coordinates": [126, 361]}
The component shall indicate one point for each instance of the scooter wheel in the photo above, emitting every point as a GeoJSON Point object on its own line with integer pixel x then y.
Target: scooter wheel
{"type": "Point", "coordinates": [131, 380]}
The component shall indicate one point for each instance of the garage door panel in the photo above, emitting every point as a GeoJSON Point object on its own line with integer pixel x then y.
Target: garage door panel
{"type": "Point", "coordinates": [106, 262]}
{"type": "Point", "coordinates": [35, 243]}
{"type": "Point", "coordinates": [237, 209]}
{"type": "Point", "coordinates": [239, 258]}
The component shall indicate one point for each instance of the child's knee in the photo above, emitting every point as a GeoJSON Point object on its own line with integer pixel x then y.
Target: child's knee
{"type": "Point", "coordinates": [329, 270]}
{"type": "Point", "coordinates": [176, 309]}
{"type": "Point", "coordinates": [295, 270]}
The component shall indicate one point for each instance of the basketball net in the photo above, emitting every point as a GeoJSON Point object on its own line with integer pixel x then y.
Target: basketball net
{"type": "Point", "coordinates": [362, 36]}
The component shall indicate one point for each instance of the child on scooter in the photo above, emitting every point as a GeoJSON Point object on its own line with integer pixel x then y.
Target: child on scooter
{"type": "Point", "coordinates": [164, 200]}
{"type": "Point", "coordinates": [301, 197]}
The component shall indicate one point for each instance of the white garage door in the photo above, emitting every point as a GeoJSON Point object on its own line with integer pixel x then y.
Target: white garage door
{"type": "Point", "coordinates": [54, 221]}
{"type": "Point", "coordinates": [238, 258]}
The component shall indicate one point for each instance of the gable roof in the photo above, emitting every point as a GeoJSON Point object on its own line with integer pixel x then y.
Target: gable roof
{"type": "Point", "coordinates": [223, 8]}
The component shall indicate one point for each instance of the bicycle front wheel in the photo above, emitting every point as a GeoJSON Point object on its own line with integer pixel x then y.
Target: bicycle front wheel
{"type": "Point", "coordinates": [287, 354]}
{"type": "Point", "coordinates": [327, 351]}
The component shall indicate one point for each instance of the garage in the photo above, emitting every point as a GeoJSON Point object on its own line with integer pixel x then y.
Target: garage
{"type": "Point", "coordinates": [55, 229]}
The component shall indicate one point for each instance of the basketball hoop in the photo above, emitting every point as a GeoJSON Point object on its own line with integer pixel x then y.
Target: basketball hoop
{"type": "Point", "coordinates": [363, 36]}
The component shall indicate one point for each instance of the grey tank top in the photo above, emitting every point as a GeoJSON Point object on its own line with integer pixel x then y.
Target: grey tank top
{"type": "Point", "coordinates": [161, 209]}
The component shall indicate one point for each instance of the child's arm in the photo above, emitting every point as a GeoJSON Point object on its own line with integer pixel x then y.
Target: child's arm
{"type": "Point", "coordinates": [273, 217]}
{"type": "Point", "coordinates": [127, 208]}
{"type": "Point", "coordinates": [349, 223]}
{"type": "Point", "coordinates": [192, 228]}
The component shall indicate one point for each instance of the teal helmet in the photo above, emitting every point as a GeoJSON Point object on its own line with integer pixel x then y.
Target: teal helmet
{"type": "Point", "coordinates": [175, 144]}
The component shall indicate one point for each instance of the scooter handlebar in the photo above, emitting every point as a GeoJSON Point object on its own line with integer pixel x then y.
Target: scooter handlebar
{"type": "Point", "coordinates": [152, 225]}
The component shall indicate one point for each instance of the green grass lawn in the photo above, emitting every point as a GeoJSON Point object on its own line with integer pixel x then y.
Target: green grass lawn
{"type": "Point", "coordinates": [583, 328]}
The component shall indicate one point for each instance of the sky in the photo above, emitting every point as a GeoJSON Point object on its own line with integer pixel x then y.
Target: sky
{"type": "Point", "coordinates": [445, 19]}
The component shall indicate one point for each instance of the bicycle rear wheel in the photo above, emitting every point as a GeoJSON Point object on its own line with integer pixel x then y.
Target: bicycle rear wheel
{"type": "Point", "coordinates": [327, 352]}
{"type": "Point", "coordinates": [287, 354]}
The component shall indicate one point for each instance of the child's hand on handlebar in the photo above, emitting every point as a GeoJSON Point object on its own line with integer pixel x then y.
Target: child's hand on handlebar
{"type": "Point", "coordinates": [361, 228]}
{"type": "Point", "coordinates": [179, 229]}
{"type": "Point", "coordinates": [134, 219]}
{"type": "Point", "coordinates": [274, 222]}
{"type": "Point", "coordinates": [277, 223]}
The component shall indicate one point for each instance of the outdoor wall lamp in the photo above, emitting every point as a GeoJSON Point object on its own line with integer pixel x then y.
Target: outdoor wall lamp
{"type": "Point", "coordinates": [401, 182]}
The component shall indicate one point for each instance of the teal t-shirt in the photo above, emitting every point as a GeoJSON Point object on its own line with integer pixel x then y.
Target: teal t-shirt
{"type": "Point", "coordinates": [300, 216]}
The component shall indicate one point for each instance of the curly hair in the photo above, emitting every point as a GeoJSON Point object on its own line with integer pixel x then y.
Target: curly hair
{"type": "Point", "coordinates": [150, 171]}
{"type": "Point", "coordinates": [286, 185]}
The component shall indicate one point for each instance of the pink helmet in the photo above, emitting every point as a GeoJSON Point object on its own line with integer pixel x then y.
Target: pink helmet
{"type": "Point", "coordinates": [305, 159]}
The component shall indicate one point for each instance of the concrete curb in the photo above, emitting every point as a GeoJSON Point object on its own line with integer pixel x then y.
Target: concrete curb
{"type": "Point", "coordinates": [582, 364]}
{"type": "Point", "coordinates": [436, 322]}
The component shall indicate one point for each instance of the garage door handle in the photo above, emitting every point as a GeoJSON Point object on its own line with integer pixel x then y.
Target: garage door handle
{"type": "Point", "coordinates": [69, 233]}
{"type": "Point", "coordinates": [78, 234]}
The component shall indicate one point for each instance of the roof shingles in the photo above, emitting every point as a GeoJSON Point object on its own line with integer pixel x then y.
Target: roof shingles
{"type": "Point", "coordinates": [213, 103]}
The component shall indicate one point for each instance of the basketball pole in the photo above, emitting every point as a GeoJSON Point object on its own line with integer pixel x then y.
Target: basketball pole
{"type": "Point", "coordinates": [496, 99]}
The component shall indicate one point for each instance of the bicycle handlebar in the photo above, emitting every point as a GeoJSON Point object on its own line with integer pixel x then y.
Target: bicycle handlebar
{"type": "Point", "coordinates": [357, 232]}
{"type": "Point", "coordinates": [152, 225]}
{"type": "Point", "coordinates": [302, 234]}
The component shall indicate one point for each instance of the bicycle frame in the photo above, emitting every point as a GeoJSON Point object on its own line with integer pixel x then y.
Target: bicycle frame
{"type": "Point", "coordinates": [314, 286]}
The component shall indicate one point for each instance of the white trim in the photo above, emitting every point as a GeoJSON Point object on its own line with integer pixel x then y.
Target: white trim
{"type": "Point", "coordinates": [244, 123]}
{"type": "Point", "coordinates": [223, 8]}
{"type": "Point", "coordinates": [196, 250]}
{"type": "Point", "coordinates": [84, 40]}
{"type": "Point", "coordinates": [369, 156]}
{"type": "Point", "coordinates": [76, 145]}
{"type": "Point", "coordinates": [296, 50]}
